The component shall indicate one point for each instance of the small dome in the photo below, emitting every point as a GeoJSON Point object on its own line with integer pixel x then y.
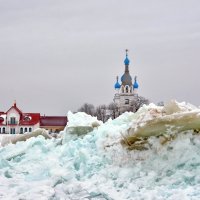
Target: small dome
{"type": "Point", "coordinates": [135, 85]}
{"type": "Point", "coordinates": [126, 61]}
{"type": "Point", "coordinates": [117, 85]}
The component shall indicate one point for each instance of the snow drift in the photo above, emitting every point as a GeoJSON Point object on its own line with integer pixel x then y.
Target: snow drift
{"type": "Point", "coordinates": [97, 166]}
{"type": "Point", "coordinates": [23, 137]}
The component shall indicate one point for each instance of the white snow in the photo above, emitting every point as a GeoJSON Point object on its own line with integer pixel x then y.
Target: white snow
{"type": "Point", "coordinates": [81, 119]}
{"type": "Point", "coordinates": [98, 167]}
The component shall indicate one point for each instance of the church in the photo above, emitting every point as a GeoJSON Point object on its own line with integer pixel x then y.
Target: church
{"type": "Point", "coordinates": [14, 121]}
{"type": "Point", "coordinates": [126, 92]}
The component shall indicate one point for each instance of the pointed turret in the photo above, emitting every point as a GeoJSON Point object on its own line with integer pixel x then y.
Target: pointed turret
{"type": "Point", "coordinates": [126, 61]}
{"type": "Point", "coordinates": [126, 78]}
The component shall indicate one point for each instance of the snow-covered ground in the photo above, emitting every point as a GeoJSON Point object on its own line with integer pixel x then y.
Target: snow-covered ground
{"type": "Point", "coordinates": [97, 166]}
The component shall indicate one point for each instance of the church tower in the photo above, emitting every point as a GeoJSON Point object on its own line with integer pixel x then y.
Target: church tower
{"type": "Point", "coordinates": [126, 92]}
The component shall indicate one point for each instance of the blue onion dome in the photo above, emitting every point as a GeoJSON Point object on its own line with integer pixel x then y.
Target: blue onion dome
{"type": "Point", "coordinates": [135, 85]}
{"type": "Point", "coordinates": [126, 61]}
{"type": "Point", "coordinates": [117, 85]}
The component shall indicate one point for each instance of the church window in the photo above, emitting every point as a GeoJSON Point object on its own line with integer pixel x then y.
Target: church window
{"type": "Point", "coordinates": [30, 129]}
{"type": "Point", "coordinates": [126, 101]}
{"type": "Point", "coordinates": [0, 130]}
{"type": "Point", "coordinates": [127, 89]}
{"type": "Point", "coordinates": [4, 130]}
{"type": "Point", "coordinates": [25, 130]}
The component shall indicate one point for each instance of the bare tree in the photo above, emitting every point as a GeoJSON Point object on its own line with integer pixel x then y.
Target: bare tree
{"type": "Point", "coordinates": [87, 108]}
{"type": "Point", "coordinates": [101, 112]}
{"type": "Point", "coordinates": [104, 112]}
{"type": "Point", "coordinates": [137, 103]}
{"type": "Point", "coordinates": [112, 107]}
{"type": "Point", "coordinates": [98, 112]}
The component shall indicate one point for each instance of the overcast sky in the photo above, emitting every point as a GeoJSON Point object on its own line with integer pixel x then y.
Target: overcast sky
{"type": "Point", "coordinates": [56, 55]}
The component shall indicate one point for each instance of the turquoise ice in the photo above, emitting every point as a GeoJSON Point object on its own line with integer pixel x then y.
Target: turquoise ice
{"type": "Point", "coordinates": [96, 166]}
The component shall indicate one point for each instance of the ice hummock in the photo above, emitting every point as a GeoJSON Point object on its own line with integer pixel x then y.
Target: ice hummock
{"type": "Point", "coordinates": [78, 126]}
{"type": "Point", "coordinates": [97, 166]}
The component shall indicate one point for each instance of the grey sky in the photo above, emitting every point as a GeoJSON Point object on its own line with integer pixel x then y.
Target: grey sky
{"type": "Point", "coordinates": [56, 55]}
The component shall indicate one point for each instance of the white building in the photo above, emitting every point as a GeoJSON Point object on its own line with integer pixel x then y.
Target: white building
{"type": "Point", "coordinates": [126, 92]}
{"type": "Point", "coordinates": [14, 121]}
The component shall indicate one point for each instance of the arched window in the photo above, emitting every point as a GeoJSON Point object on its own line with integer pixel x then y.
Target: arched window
{"type": "Point", "coordinates": [30, 129]}
{"type": "Point", "coordinates": [0, 130]}
{"type": "Point", "coordinates": [27, 118]}
{"type": "Point", "coordinates": [25, 130]}
{"type": "Point", "coordinates": [4, 130]}
{"type": "Point", "coordinates": [127, 89]}
{"type": "Point", "coordinates": [21, 130]}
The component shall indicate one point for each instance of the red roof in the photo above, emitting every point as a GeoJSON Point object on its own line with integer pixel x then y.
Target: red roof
{"type": "Point", "coordinates": [53, 121]}
{"type": "Point", "coordinates": [29, 119]}
{"type": "Point", "coordinates": [1, 120]}
{"type": "Point", "coordinates": [16, 108]}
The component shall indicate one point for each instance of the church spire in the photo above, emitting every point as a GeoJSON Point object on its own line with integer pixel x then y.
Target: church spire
{"type": "Point", "coordinates": [126, 78]}
{"type": "Point", "coordinates": [126, 61]}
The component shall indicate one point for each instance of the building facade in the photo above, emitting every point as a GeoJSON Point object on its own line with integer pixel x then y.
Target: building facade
{"type": "Point", "coordinates": [14, 121]}
{"type": "Point", "coordinates": [126, 92]}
